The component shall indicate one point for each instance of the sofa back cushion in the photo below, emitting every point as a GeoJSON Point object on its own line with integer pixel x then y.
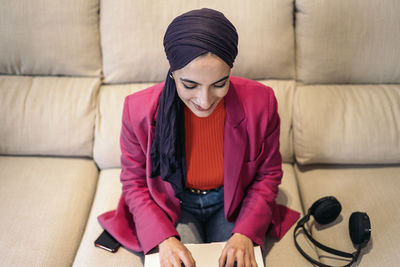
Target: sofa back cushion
{"type": "Point", "coordinates": [347, 124]}
{"type": "Point", "coordinates": [344, 41]}
{"type": "Point", "coordinates": [107, 152]}
{"type": "Point", "coordinates": [47, 115]}
{"type": "Point", "coordinates": [46, 37]}
{"type": "Point", "coordinates": [132, 37]}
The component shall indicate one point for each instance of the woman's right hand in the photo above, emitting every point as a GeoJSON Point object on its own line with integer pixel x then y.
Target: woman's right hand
{"type": "Point", "coordinates": [172, 253]}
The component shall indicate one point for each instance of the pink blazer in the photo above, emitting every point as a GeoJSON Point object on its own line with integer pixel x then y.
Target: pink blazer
{"type": "Point", "coordinates": [148, 211]}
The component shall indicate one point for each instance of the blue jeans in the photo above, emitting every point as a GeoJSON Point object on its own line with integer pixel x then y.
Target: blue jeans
{"type": "Point", "coordinates": [202, 218]}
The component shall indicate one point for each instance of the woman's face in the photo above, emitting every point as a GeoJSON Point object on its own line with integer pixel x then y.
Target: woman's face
{"type": "Point", "coordinates": [202, 83]}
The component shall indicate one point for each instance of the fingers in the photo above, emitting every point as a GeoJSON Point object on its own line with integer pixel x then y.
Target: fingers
{"type": "Point", "coordinates": [238, 249]}
{"type": "Point", "coordinates": [233, 256]}
{"type": "Point", "coordinates": [253, 259]}
{"type": "Point", "coordinates": [173, 253]}
{"type": "Point", "coordinates": [187, 258]}
{"type": "Point", "coordinates": [222, 258]}
{"type": "Point", "coordinates": [175, 260]}
{"type": "Point", "coordinates": [241, 259]}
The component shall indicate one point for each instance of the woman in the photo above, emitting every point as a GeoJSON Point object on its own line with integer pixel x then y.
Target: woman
{"type": "Point", "coordinates": [200, 153]}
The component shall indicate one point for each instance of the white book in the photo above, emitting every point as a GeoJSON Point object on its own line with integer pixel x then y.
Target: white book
{"type": "Point", "coordinates": [205, 255]}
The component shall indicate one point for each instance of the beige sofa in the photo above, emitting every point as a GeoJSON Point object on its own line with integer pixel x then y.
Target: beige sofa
{"type": "Point", "coordinates": [66, 67]}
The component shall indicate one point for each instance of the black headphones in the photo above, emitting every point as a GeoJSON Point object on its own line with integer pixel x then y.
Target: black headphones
{"type": "Point", "coordinates": [325, 211]}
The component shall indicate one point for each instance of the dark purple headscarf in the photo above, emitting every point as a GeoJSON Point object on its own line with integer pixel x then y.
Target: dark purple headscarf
{"type": "Point", "coordinates": [189, 36]}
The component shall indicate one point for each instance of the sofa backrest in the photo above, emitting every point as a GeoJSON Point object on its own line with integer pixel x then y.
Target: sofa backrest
{"type": "Point", "coordinates": [107, 150]}
{"type": "Point", "coordinates": [346, 41]}
{"type": "Point", "coordinates": [355, 43]}
{"type": "Point", "coordinates": [45, 37]}
{"type": "Point", "coordinates": [132, 37]}
{"type": "Point", "coordinates": [64, 47]}
{"type": "Point", "coordinates": [56, 43]}
{"type": "Point", "coordinates": [347, 124]}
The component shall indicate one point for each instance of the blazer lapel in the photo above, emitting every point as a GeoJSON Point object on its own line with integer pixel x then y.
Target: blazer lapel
{"type": "Point", "coordinates": [235, 143]}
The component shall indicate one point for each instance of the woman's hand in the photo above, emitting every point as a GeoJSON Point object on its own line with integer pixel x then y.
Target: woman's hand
{"type": "Point", "coordinates": [239, 249]}
{"type": "Point", "coordinates": [172, 253]}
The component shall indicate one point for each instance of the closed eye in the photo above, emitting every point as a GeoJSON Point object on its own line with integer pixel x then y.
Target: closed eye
{"type": "Point", "coordinates": [220, 85]}
{"type": "Point", "coordinates": [189, 87]}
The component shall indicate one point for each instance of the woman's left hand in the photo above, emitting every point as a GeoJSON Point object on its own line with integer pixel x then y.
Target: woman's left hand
{"type": "Point", "coordinates": [239, 249]}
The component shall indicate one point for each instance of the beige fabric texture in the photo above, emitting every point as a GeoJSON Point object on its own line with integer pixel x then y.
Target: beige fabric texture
{"type": "Point", "coordinates": [44, 205]}
{"type": "Point", "coordinates": [374, 190]}
{"type": "Point", "coordinates": [345, 41]}
{"type": "Point", "coordinates": [128, 26]}
{"type": "Point", "coordinates": [107, 152]}
{"type": "Point", "coordinates": [47, 115]}
{"type": "Point", "coordinates": [283, 252]}
{"type": "Point", "coordinates": [107, 196]}
{"type": "Point", "coordinates": [46, 37]}
{"type": "Point", "coordinates": [358, 124]}
{"type": "Point", "coordinates": [284, 93]}
{"type": "Point", "coordinates": [278, 253]}
{"type": "Point", "coordinates": [69, 45]}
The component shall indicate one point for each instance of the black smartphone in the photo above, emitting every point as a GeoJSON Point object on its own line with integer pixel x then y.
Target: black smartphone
{"type": "Point", "coordinates": [107, 242]}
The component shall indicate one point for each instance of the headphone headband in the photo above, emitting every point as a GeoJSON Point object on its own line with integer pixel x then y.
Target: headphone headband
{"type": "Point", "coordinates": [325, 210]}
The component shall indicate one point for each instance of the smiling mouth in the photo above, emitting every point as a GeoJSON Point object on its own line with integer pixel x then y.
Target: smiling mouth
{"type": "Point", "coordinates": [199, 108]}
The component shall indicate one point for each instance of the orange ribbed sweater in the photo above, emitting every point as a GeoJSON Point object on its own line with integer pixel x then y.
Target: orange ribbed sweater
{"type": "Point", "coordinates": [204, 139]}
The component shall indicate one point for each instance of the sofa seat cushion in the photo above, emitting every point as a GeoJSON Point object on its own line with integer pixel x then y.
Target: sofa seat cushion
{"type": "Point", "coordinates": [47, 115]}
{"type": "Point", "coordinates": [282, 253]}
{"type": "Point", "coordinates": [107, 196]}
{"type": "Point", "coordinates": [371, 189]}
{"type": "Point", "coordinates": [44, 205]}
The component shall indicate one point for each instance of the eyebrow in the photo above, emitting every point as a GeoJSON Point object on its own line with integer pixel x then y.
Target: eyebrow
{"type": "Point", "coordinates": [190, 81]}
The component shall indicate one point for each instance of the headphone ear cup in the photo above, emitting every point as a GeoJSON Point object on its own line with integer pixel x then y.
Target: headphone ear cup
{"type": "Point", "coordinates": [359, 228]}
{"type": "Point", "coordinates": [326, 210]}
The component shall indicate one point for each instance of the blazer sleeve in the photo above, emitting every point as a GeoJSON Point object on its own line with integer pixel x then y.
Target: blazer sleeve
{"type": "Point", "coordinates": [257, 208]}
{"type": "Point", "coordinates": [151, 222]}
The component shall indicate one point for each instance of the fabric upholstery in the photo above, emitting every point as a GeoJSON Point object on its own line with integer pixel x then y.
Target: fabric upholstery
{"type": "Point", "coordinates": [128, 26]}
{"type": "Point", "coordinates": [107, 195]}
{"type": "Point", "coordinates": [107, 150]}
{"type": "Point", "coordinates": [46, 37]}
{"type": "Point", "coordinates": [345, 41]}
{"type": "Point", "coordinates": [358, 124]}
{"type": "Point", "coordinates": [284, 93]}
{"type": "Point", "coordinates": [44, 205]}
{"type": "Point", "coordinates": [47, 115]}
{"type": "Point", "coordinates": [109, 115]}
{"type": "Point", "coordinates": [283, 252]}
{"type": "Point", "coordinates": [371, 189]}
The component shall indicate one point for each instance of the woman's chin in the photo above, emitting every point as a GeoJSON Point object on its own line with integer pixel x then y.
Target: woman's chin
{"type": "Point", "coordinates": [200, 112]}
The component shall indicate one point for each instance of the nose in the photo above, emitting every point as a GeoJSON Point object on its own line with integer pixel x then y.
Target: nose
{"type": "Point", "coordinates": [205, 100]}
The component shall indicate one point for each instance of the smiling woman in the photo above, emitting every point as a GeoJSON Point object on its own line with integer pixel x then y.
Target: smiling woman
{"type": "Point", "coordinates": [209, 169]}
{"type": "Point", "coordinates": [199, 84]}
